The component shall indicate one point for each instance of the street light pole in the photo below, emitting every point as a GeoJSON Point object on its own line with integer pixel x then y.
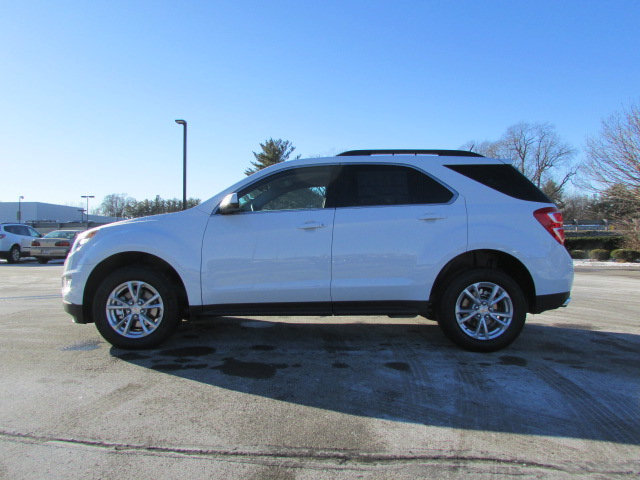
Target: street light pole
{"type": "Point", "coordinates": [20, 198]}
{"type": "Point", "coordinates": [87, 197]}
{"type": "Point", "coordinates": [184, 162]}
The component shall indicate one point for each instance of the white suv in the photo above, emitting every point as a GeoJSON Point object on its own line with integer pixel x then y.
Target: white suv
{"type": "Point", "coordinates": [450, 235]}
{"type": "Point", "coordinates": [15, 241]}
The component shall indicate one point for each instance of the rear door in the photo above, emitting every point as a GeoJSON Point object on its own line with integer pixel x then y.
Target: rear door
{"type": "Point", "coordinates": [394, 227]}
{"type": "Point", "coordinates": [26, 237]}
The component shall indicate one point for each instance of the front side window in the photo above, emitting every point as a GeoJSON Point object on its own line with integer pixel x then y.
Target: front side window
{"type": "Point", "coordinates": [369, 185]}
{"type": "Point", "coordinates": [295, 189]}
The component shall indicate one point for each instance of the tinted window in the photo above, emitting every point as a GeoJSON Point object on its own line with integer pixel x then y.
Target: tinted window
{"type": "Point", "coordinates": [295, 189]}
{"type": "Point", "coordinates": [503, 178]}
{"type": "Point", "coordinates": [10, 229]}
{"type": "Point", "coordinates": [368, 185]}
{"type": "Point", "coordinates": [22, 230]}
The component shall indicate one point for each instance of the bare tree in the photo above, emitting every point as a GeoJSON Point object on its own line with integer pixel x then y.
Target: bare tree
{"type": "Point", "coordinates": [613, 162]}
{"type": "Point", "coordinates": [115, 204]}
{"type": "Point", "coordinates": [486, 148]}
{"type": "Point", "coordinates": [538, 151]}
{"type": "Point", "coordinates": [613, 157]}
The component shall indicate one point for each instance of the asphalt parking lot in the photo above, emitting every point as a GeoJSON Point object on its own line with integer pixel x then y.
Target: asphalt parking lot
{"type": "Point", "coordinates": [321, 397]}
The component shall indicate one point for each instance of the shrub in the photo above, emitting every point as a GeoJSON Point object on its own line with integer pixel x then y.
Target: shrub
{"type": "Point", "coordinates": [599, 254]}
{"type": "Point", "coordinates": [578, 254]}
{"type": "Point", "coordinates": [610, 242]}
{"type": "Point", "coordinates": [626, 254]}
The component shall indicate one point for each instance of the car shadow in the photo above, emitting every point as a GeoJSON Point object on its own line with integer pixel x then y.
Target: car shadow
{"type": "Point", "coordinates": [553, 381]}
{"type": "Point", "coordinates": [32, 262]}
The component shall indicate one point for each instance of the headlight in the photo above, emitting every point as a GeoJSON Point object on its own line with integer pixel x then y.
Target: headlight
{"type": "Point", "coordinates": [83, 238]}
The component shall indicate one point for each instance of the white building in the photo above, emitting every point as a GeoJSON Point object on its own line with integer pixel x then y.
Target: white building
{"type": "Point", "coordinates": [39, 211]}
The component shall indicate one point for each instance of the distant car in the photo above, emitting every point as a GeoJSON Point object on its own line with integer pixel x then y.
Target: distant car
{"type": "Point", "coordinates": [15, 241]}
{"type": "Point", "coordinates": [56, 244]}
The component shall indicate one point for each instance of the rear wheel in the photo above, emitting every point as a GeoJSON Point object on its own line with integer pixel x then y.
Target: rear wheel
{"type": "Point", "coordinates": [482, 310]}
{"type": "Point", "coordinates": [136, 307]}
{"type": "Point", "coordinates": [14, 254]}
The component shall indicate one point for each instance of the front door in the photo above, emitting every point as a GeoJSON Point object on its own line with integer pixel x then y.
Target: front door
{"type": "Point", "coordinates": [277, 248]}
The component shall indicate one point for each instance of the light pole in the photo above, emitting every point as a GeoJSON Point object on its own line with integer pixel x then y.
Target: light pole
{"type": "Point", "coordinates": [184, 162]}
{"type": "Point", "coordinates": [20, 198]}
{"type": "Point", "coordinates": [87, 197]}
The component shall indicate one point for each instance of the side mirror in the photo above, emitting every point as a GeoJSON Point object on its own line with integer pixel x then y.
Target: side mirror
{"type": "Point", "coordinates": [229, 204]}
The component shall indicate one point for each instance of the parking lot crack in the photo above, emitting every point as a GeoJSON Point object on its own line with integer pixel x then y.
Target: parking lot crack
{"type": "Point", "coordinates": [341, 458]}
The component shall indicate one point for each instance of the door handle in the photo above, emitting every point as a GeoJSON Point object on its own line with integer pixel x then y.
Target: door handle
{"type": "Point", "coordinates": [431, 218]}
{"type": "Point", "coordinates": [311, 226]}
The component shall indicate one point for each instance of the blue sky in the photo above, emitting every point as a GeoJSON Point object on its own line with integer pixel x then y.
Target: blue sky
{"type": "Point", "coordinates": [90, 90]}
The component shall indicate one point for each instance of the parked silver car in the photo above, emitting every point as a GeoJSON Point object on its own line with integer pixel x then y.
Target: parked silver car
{"type": "Point", "coordinates": [55, 244]}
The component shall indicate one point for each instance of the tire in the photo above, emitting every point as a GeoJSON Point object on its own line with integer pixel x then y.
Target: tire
{"type": "Point", "coordinates": [14, 254]}
{"type": "Point", "coordinates": [135, 326]}
{"type": "Point", "coordinates": [42, 260]}
{"type": "Point", "coordinates": [469, 316]}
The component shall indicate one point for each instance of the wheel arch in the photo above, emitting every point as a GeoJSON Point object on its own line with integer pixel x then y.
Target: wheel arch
{"type": "Point", "coordinates": [123, 259]}
{"type": "Point", "coordinates": [493, 259]}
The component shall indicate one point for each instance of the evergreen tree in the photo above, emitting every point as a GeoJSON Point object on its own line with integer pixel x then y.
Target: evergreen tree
{"type": "Point", "coordinates": [273, 151]}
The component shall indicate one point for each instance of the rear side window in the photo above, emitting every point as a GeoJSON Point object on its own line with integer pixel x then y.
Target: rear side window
{"type": "Point", "coordinates": [369, 185]}
{"type": "Point", "coordinates": [503, 178]}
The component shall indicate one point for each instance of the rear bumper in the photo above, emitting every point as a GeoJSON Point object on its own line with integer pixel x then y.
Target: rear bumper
{"type": "Point", "coordinates": [76, 312]}
{"type": "Point", "coordinates": [549, 302]}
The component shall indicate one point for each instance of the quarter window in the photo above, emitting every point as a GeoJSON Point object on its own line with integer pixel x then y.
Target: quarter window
{"type": "Point", "coordinates": [503, 178]}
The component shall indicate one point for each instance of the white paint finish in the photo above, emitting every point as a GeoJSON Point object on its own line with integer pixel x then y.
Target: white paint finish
{"type": "Point", "coordinates": [394, 252]}
{"type": "Point", "coordinates": [510, 227]}
{"type": "Point", "coordinates": [379, 253]}
{"type": "Point", "coordinates": [176, 238]}
{"type": "Point", "coordinates": [270, 256]}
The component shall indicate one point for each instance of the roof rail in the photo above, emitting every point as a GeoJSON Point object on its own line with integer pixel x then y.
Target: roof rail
{"type": "Point", "coordinates": [442, 153]}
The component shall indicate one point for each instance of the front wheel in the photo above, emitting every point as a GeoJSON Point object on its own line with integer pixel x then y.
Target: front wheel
{"type": "Point", "coordinates": [482, 310]}
{"type": "Point", "coordinates": [136, 307]}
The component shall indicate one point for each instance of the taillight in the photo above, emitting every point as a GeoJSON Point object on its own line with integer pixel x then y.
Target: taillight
{"type": "Point", "coordinates": [35, 243]}
{"type": "Point", "coordinates": [551, 219]}
{"type": "Point", "coordinates": [63, 243]}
